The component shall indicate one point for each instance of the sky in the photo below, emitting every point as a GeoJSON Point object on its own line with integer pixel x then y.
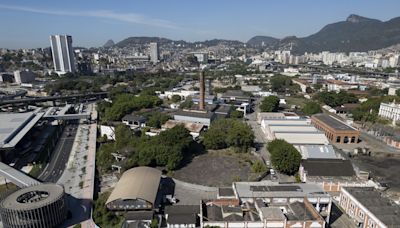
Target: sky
{"type": "Point", "coordinates": [28, 24]}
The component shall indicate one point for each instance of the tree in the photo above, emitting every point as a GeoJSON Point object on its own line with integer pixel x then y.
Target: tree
{"type": "Point", "coordinates": [175, 98]}
{"type": "Point", "coordinates": [270, 104]}
{"type": "Point", "coordinates": [236, 114]}
{"type": "Point", "coordinates": [334, 99]}
{"type": "Point", "coordinates": [156, 119]}
{"type": "Point", "coordinates": [311, 108]}
{"type": "Point", "coordinates": [258, 167]}
{"type": "Point", "coordinates": [225, 133]}
{"type": "Point", "coordinates": [284, 157]}
{"type": "Point", "coordinates": [398, 92]}
{"type": "Point", "coordinates": [188, 103]}
{"type": "Point", "coordinates": [280, 83]}
{"type": "Point", "coordinates": [102, 216]}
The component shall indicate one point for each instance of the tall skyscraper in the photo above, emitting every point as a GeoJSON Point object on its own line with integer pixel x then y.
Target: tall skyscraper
{"type": "Point", "coordinates": [63, 55]}
{"type": "Point", "coordinates": [154, 52]}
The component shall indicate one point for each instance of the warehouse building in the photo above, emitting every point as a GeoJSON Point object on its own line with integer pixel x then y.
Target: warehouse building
{"type": "Point", "coordinates": [368, 208]}
{"type": "Point", "coordinates": [201, 117]}
{"type": "Point", "coordinates": [137, 189]}
{"type": "Point", "coordinates": [335, 130]}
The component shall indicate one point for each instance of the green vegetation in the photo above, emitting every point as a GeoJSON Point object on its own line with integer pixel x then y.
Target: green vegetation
{"type": "Point", "coordinates": [225, 133]}
{"type": "Point", "coordinates": [281, 83]}
{"type": "Point", "coordinates": [311, 108]}
{"type": "Point", "coordinates": [167, 149]}
{"type": "Point", "coordinates": [154, 223]}
{"type": "Point", "coordinates": [175, 98]}
{"type": "Point", "coordinates": [398, 92]}
{"type": "Point", "coordinates": [284, 157]}
{"type": "Point", "coordinates": [258, 167]}
{"type": "Point", "coordinates": [125, 104]}
{"type": "Point", "coordinates": [156, 119]}
{"type": "Point", "coordinates": [334, 99]}
{"type": "Point", "coordinates": [101, 216]}
{"type": "Point", "coordinates": [368, 110]}
{"type": "Point", "coordinates": [187, 104]}
{"type": "Point", "coordinates": [236, 114]}
{"type": "Point", "coordinates": [269, 104]}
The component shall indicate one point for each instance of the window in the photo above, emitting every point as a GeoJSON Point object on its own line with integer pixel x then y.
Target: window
{"type": "Point", "coordinates": [361, 214]}
{"type": "Point", "coordinates": [338, 139]}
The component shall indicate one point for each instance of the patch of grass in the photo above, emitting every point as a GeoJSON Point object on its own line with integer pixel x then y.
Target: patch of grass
{"type": "Point", "coordinates": [36, 170]}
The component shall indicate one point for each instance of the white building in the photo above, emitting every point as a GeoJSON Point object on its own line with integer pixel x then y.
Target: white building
{"type": "Point", "coordinates": [63, 55]}
{"type": "Point", "coordinates": [390, 111]}
{"type": "Point", "coordinates": [154, 53]}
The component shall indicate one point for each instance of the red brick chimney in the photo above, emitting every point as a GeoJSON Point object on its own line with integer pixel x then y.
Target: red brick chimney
{"type": "Point", "coordinates": [202, 91]}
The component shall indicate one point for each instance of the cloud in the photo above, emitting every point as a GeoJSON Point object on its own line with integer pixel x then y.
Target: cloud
{"type": "Point", "coordinates": [105, 14]}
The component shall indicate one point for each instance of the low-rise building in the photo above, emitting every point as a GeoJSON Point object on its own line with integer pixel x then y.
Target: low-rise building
{"type": "Point", "coordinates": [134, 122]}
{"type": "Point", "coordinates": [24, 76]}
{"type": "Point", "coordinates": [368, 208]}
{"type": "Point", "coordinates": [182, 216]}
{"type": "Point", "coordinates": [202, 117]}
{"type": "Point", "coordinates": [335, 130]}
{"type": "Point", "coordinates": [194, 128]}
{"type": "Point", "coordinates": [390, 111]}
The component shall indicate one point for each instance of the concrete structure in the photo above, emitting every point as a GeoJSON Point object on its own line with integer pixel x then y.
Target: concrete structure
{"type": "Point", "coordinates": [335, 130]}
{"type": "Point", "coordinates": [37, 206]}
{"type": "Point", "coordinates": [194, 128]}
{"type": "Point", "coordinates": [137, 189]}
{"type": "Point", "coordinates": [282, 194]}
{"type": "Point", "coordinates": [63, 55]}
{"type": "Point", "coordinates": [294, 131]}
{"type": "Point", "coordinates": [154, 53]}
{"type": "Point", "coordinates": [368, 208]}
{"type": "Point", "coordinates": [24, 76]}
{"type": "Point", "coordinates": [390, 111]}
{"type": "Point", "coordinates": [202, 117]}
{"type": "Point", "coordinates": [17, 177]}
{"type": "Point", "coordinates": [276, 115]}
{"type": "Point", "coordinates": [202, 91]}
{"type": "Point", "coordinates": [108, 131]}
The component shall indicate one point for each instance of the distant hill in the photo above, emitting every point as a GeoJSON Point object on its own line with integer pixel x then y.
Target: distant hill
{"type": "Point", "coordinates": [131, 41]}
{"type": "Point", "coordinates": [355, 34]}
{"type": "Point", "coordinates": [109, 43]}
{"type": "Point", "coordinates": [259, 40]}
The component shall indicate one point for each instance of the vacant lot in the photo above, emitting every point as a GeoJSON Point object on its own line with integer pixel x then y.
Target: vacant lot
{"type": "Point", "coordinates": [217, 168]}
{"type": "Point", "coordinates": [384, 168]}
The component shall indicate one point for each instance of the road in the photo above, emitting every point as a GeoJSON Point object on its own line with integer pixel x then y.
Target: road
{"type": "Point", "coordinates": [60, 155]}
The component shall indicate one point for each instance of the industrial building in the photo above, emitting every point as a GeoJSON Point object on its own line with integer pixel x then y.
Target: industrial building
{"type": "Point", "coordinates": [335, 130]}
{"type": "Point", "coordinates": [282, 194]}
{"type": "Point", "coordinates": [42, 205]}
{"type": "Point", "coordinates": [137, 189]}
{"type": "Point", "coordinates": [195, 116]}
{"type": "Point", "coordinates": [368, 208]}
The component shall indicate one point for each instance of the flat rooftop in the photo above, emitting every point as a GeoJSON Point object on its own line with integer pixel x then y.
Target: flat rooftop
{"type": "Point", "coordinates": [333, 122]}
{"type": "Point", "coordinates": [269, 189]}
{"type": "Point", "coordinates": [386, 211]}
{"type": "Point", "coordinates": [14, 127]}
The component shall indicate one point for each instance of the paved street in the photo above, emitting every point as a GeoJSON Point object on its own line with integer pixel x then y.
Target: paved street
{"type": "Point", "coordinates": [60, 155]}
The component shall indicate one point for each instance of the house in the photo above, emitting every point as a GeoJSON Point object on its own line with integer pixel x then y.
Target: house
{"type": "Point", "coordinates": [138, 219]}
{"type": "Point", "coordinates": [182, 216]}
{"type": "Point", "coordinates": [134, 122]}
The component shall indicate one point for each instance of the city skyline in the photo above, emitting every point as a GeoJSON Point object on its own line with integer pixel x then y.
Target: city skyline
{"type": "Point", "coordinates": [28, 25]}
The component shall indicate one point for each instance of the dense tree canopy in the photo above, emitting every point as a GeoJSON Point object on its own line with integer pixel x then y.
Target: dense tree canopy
{"type": "Point", "coordinates": [334, 99]}
{"type": "Point", "coordinates": [269, 104]}
{"type": "Point", "coordinates": [102, 216]}
{"type": "Point", "coordinates": [225, 133]}
{"type": "Point", "coordinates": [156, 119]}
{"type": "Point", "coordinates": [127, 103]}
{"type": "Point", "coordinates": [284, 157]}
{"type": "Point", "coordinates": [311, 108]}
{"type": "Point", "coordinates": [280, 83]}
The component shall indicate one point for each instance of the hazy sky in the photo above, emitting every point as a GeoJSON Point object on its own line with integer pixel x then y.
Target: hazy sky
{"type": "Point", "coordinates": [28, 23]}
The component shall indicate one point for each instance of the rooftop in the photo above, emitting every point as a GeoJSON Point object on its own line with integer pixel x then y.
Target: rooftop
{"type": "Point", "coordinates": [303, 137]}
{"type": "Point", "coordinates": [182, 214]}
{"type": "Point", "coordinates": [225, 192]}
{"type": "Point", "coordinates": [195, 114]}
{"type": "Point", "coordinates": [266, 189]}
{"type": "Point", "coordinates": [386, 211]}
{"type": "Point", "coordinates": [333, 122]}
{"type": "Point", "coordinates": [316, 151]}
{"type": "Point", "coordinates": [328, 167]}
{"type": "Point", "coordinates": [14, 127]}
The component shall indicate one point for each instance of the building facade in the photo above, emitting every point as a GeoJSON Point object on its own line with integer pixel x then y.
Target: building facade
{"type": "Point", "coordinates": [24, 76]}
{"type": "Point", "coordinates": [390, 111]}
{"type": "Point", "coordinates": [335, 130]}
{"type": "Point", "coordinates": [154, 52]}
{"type": "Point", "coordinates": [62, 51]}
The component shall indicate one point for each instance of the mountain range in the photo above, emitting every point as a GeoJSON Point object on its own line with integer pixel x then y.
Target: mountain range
{"type": "Point", "coordinates": [356, 33]}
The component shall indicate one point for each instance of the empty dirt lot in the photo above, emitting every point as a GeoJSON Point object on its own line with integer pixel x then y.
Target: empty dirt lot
{"type": "Point", "coordinates": [216, 168]}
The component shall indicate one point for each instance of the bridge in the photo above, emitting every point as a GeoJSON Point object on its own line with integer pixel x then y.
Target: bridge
{"type": "Point", "coordinates": [17, 177]}
{"type": "Point", "coordinates": [53, 98]}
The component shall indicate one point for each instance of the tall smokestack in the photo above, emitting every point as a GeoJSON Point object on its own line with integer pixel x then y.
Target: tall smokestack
{"type": "Point", "coordinates": [202, 91]}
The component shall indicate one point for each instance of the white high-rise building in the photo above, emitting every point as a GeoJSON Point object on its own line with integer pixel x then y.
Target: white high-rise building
{"type": "Point", "coordinates": [154, 52]}
{"type": "Point", "coordinates": [63, 55]}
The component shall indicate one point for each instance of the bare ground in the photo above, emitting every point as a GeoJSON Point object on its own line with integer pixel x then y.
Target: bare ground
{"type": "Point", "coordinates": [216, 168]}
